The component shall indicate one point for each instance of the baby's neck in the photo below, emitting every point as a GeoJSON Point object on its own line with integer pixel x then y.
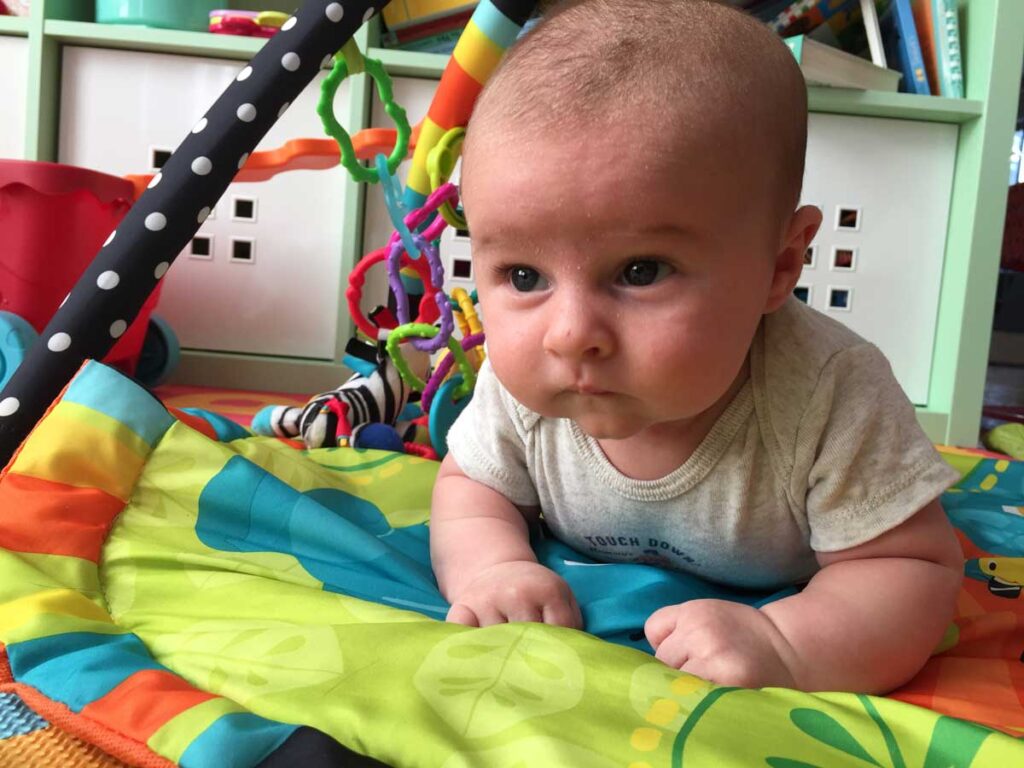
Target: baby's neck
{"type": "Point", "coordinates": [659, 450]}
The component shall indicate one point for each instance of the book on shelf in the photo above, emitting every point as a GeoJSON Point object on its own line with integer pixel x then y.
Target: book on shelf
{"type": "Point", "coordinates": [951, 70]}
{"type": "Point", "coordinates": [399, 14]}
{"type": "Point", "coordinates": [1015, 157]}
{"type": "Point", "coordinates": [825, 65]}
{"type": "Point", "coordinates": [938, 27]}
{"type": "Point", "coordinates": [437, 35]}
{"type": "Point", "coordinates": [903, 47]}
{"type": "Point", "coordinates": [442, 42]}
{"type": "Point", "coordinates": [767, 10]}
{"type": "Point", "coordinates": [873, 31]}
{"type": "Point", "coordinates": [839, 23]}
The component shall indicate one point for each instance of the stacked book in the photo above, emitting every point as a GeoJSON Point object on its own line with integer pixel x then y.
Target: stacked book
{"type": "Point", "coordinates": [859, 43]}
{"type": "Point", "coordinates": [427, 26]}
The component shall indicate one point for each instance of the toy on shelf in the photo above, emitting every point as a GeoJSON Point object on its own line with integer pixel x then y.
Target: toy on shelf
{"type": "Point", "coordinates": [15, 7]}
{"type": "Point", "coordinates": [224, 21]}
{"type": "Point", "coordinates": [181, 14]}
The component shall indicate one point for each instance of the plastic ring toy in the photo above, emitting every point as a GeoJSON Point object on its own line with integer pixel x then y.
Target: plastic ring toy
{"type": "Point", "coordinates": [396, 211]}
{"type": "Point", "coordinates": [422, 330]}
{"type": "Point", "coordinates": [357, 279]}
{"type": "Point", "coordinates": [325, 108]}
{"type": "Point", "coordinates": [455, 302]}
{"type": "Point", "coordinates": [433, 261]}
{"type": "Point", "coordinates": [446, 409]}
{"type": "Point", "coordinates": [437, 378]}
{"type": "Point", "coordinates": [444, 193]}
{"type": "Point", "coordinates": [440, 165]}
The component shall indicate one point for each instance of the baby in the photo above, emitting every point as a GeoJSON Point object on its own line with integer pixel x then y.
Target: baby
{"type": "Point", "coordinates": [631, 179]}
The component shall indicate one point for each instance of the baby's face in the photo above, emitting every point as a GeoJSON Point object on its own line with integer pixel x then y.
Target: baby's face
{"type": "Point", "coordinates": [620, 286]}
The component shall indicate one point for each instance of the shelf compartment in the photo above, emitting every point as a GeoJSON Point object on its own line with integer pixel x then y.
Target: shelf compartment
{"type": "Point", "coordinates": [148, 39]}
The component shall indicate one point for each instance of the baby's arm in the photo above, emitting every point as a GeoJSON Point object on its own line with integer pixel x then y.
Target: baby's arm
{"type": "Point", "coordinates": [481, 555]}
{"type": "Point", "coordinates": [866, 622]}
{"type": "Point", "coordinates": [871, 617]}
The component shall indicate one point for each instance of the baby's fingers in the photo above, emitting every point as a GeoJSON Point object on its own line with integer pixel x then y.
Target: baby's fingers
{"type": "Point", "coordinates": [674, 652]}
{"type": "Point", "coordinates": [524, 612]}
{"type": "Point", "coordinates": [660, 625]}
{"type": "Point", "coordinates": [460, 613]}
{"type": "Point", "coordinates": [563, 613]}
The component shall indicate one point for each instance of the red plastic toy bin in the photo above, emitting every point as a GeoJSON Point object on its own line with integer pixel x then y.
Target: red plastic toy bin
{"type": "Point", "coordinates": [53, 220]}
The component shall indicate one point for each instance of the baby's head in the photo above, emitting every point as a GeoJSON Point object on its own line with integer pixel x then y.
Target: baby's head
{"type": "Point", "coordinates": [630, 176]}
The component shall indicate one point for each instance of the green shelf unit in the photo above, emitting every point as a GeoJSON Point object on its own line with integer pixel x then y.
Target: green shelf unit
{"type": "Point", "coordinates": [136, 38]}
{"type": "Point", "coordinates": [16, 26]}
{"type": "Point", "coordinates": [900, 106]}
{"type": "Point", "coordinates": [993, 43]}
{"type": "Point", "coordinates": [410, 63]}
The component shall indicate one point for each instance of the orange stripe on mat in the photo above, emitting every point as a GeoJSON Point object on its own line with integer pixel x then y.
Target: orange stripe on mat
{"type": "Point", "coordinates": [110, 741]}
{"type": "Point", "coordinates": [35, 517]}
{"type": "Point", "coordinates": [144, 702]}
{"type": "Point", "coordinates": [202, 426]}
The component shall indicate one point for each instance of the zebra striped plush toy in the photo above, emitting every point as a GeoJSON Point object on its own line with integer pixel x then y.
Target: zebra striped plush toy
{"type": "Point", "coordinates": [363, 400]}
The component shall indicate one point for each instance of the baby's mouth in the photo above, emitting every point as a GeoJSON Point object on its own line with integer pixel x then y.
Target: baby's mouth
{"type": "Point", "coordinates": [590, 390]}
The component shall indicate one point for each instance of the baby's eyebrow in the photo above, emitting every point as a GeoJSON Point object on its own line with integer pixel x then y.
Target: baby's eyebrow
{"type": "Point", "coordinates": [665, 229]}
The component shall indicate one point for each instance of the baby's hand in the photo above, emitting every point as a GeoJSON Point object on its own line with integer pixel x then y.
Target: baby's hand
{"type": "Point", "coordinates": [726, 643]}
{"type": "Point", "coordinates": [516, 591]}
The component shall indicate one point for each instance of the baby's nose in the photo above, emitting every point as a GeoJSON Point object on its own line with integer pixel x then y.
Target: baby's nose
{"type": "Point", "coordinates": [577, 330]}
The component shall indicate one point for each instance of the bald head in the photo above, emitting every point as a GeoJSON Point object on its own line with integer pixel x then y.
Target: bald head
{"type": "Point", "coordinates": [685, 71]}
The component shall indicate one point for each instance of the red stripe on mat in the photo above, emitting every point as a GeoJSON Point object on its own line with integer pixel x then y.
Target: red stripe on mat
{"type": "Point", "coordinates": [36, 519]}
{"type": "Point", "coordinates": [145, 702]}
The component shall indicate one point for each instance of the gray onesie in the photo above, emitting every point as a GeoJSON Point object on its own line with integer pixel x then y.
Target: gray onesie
{"type": "Point", "coordinates": [819, 451]}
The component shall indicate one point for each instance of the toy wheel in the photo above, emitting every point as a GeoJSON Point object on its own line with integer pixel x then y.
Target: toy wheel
{"type": "Point", "coordinates": [16, 336]}
{"type": "Point", "coordinates": [160, 353]}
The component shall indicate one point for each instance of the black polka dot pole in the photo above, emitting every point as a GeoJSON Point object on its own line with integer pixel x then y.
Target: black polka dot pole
{"type": "Point", "coordinates": [139, 252]}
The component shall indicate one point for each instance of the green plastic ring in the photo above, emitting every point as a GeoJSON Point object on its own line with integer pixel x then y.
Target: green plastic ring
{"type": "Point", "coordinates": [325, 108]}
{"type": "Point", "coordinates": [427, 331]}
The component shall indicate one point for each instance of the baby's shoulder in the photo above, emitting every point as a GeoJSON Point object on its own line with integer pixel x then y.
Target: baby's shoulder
{"type": "Point", "coordinates": [799, 342]}
{"type": "Point", "coordinates": [796, 345]}
{"type": "Point", "coordinates": [800, 360]}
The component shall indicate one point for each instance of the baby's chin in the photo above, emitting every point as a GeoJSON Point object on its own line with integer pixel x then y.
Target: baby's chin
{"type": "Point", "coordinates": [609, 426]}
{"type": "Point", "coordinates": [608, 431]}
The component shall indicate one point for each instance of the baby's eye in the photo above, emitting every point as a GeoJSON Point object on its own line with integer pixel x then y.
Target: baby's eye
{"type": "Point", "coordinates": [645, 272]}
{"type": "Point", "coordinates": [526, 279]}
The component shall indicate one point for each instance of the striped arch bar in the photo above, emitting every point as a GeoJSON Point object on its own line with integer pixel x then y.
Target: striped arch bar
{"type": "Point", "coordinates": [128, 267]}
{"type": "Point", "coordinates": [493, 27]}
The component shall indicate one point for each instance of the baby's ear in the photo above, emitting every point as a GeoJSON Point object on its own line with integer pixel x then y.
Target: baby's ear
{"type": "Point", "coordinates": [789, 262]}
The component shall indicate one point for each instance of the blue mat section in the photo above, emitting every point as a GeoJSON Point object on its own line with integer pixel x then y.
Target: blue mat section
{"type": "Point", "coordinates": [347, 543]}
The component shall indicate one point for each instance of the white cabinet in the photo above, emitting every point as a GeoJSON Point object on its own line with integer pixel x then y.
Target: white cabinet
{"type": "Point", "coordinates": [13, 82]}
{"type": "Point", "coordinates": [264, 275]}
{"type": "Point", "coordinates": [884, 188]}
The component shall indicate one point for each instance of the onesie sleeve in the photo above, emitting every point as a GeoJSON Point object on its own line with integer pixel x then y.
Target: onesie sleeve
{"type": "Point", "coordinates": [862, 463]}
{"type": "Point", "coordinates": [488, 441]}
